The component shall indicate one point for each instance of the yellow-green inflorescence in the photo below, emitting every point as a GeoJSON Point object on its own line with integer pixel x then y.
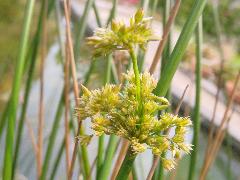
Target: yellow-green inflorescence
{"type": "Point", "coordinates": [113, 110]}
{"type": "Point", "coordinates": [121, 36]}
{"type": "Point", "coordinates": [118, 110]}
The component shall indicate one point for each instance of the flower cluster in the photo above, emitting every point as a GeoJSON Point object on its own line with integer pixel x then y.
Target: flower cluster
{"type": "Point", "coordinates": [113, 110]}
{"type": "Point", "coordinates": [121, 36]}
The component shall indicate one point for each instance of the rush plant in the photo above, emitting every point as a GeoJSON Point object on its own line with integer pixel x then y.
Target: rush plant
{"type": "Point", "coordinates": [129, 110]}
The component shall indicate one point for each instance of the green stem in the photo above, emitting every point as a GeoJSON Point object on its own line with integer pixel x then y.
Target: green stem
{"type": "Point", "coordinates": [8, 157]}
{"type": "Point", "coordinates": [86, 165]}
{"type": "Point", "coordinates": [126, 165]}
{"type": "Point", "coordinates": [97, 15]}
{"type": "Point", "coordinates": [57, 161]}
{"type": "Point", "coordinates": [4, 118]}
{"type": "Point", "coordinates": [32, 54]}
{"type": "Point", "coordinates": [52, 138]}
{"type": "Point", "coordinates": [100, 157]}
{"type": "Point", "coordinates": [196, 116]}
{"type": "Point", "coordinates": [137, 74]}
{"type": "Point", "coordinates": [113, 12]}
{"type": "Point", "coordinates": [112, 144]}
{"type": "Point", "coordinates": [81, 28]}
{"type": "Point", "coordinates": [27, 90]}
{"type": "Point", "coordinates": [179, 49]}
{"type": "Point", "coordinates": [165, 57]}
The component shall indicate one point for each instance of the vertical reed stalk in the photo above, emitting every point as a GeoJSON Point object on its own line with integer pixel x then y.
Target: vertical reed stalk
{"type": "Point", "coordinates": [41, 98]}
{"type": "Point", "coordinates": [159, 174]}
{"type": "Point", "coordinates": [8, 157]}
{"type": "Point", "coordinates": [52, 137]}
{"type": "Point", "coordinates": [66, 99]}
{"type": "Point", "coordinates": [32, 55]}
{"type": "Point", "coordinates": [97, 14]}
{"type": "Point", "coordinates": [166, 32]}
{"type": "Point", "coordinates": [112, 144]}
{"type": "Point", "coordinates": [100, 157]}
{"type": "Point", "coordinates": [196, 115]}
{"type": "Point", "coordinates": [126, 165]}
{"type": "Point", "coordinates": [180, 47]}
{"type": "Point", "coordinates": [74, 76]}
{"type": "Point", "coordinates": [104, 165]}
{"type": "Point", "coordinates": [76, 93]}
{"type": "Point", "coordinates": [4, 118]}
{"type": "Point", "coordinates": [81, 28]}
{"type": "Point", "coordinates": [57, 161]}
{"type": "Point", "coordinates": [66, 115]}
{"type": "Point", "coordinates": [122, 153]}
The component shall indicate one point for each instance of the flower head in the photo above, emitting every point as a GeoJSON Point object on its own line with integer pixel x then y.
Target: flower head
{"type": "Point", "coordinates": [114, 110]}
{"type": "Point", "coordinates": [121, 36]}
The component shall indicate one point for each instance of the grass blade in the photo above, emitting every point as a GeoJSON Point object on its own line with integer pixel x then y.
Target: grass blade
{"type": "Point", "coordinates": [52, 137]}
{"type": "Point", "coordinates": [8, 157]}
{"type": "Point", "coordinates": [180, 47]}
{"type": "Point", "coordinates": [196, 115]}
{"type": "Point", "coordinates": [81, 28]}
{"type": "Point", "coordinates": [4, 118]}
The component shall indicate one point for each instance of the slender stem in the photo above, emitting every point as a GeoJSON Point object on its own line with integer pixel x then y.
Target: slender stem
{"type": "Point", "coordinates": [52, 137]}
{"type": "Point", "coordinates": [8, 157]}
{"type": "Point", "coordinates": [33, 55]}
{"type": "Point", "coordinates": [113, 12]}
{"type": "Point", "coordinates": [179, 49]}
{"type": "Point", "coordinates": [103, 165]}
{"type": "Point", "coordinates": [112, 144]}
{"type": "Point", "coordinates": [4, 118]}
{"type": "Point", "coordinates": [130, 157]}
{"type": "Point", "coordinates": [165, 56]}
{"type": "Point", "coordinates": [57, 161]}
{"type": "Point", "coordinates": [137, 74]}
{"type": "Point", "coordinates": [166, 32]}
{"type": "Point", "coordinates": [66, 99]}
{"type": "Point", "coordinates": [41, 97]}
{"type": "Point", "coordinates": [97, 14]}
{"type": "Point", "coordinates": [100, 157]}
{"type": "Point", "coordinates": [122, 154]}
{"type": "Point", "coordinates": [81, 27]}
{"type": "Point", "coordinates": [66, 115]}
{"type": "Point", "coordinates": [32, 137]}
{"type": "Point", "coordinates": [126, 165]}
{"type": "Point", "coordinates": [196, 115]}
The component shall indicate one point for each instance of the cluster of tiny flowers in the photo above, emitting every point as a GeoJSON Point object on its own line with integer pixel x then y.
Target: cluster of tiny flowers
{"type": "Point", "coordinates": [114, 110]}
{"type": "Point", "coordinates": [121, 36]}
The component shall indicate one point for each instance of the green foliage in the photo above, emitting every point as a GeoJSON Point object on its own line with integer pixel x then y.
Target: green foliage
{"type": "Point", "coordinates": [229, 11]}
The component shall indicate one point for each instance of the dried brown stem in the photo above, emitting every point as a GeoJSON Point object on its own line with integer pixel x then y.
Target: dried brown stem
{"type": "Point", "coordinates": [157, 158]}
{"type": "Point", "coordinates": [166, 31]}
{"type": "Point", "coordinates": [74, 76]}
{"type": "Point", "coordinates": [66, 115]}
{"type": "Point", "coordinates": [41, 98]}
{"type": "Point", "coordinates": [219, 134]}
{"type": "Point", "coordinates": [121, 155]}
{"type": "Point", "coordinates": [91, 170]}
{"type": "Point", "coordinates": [32, 137]}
